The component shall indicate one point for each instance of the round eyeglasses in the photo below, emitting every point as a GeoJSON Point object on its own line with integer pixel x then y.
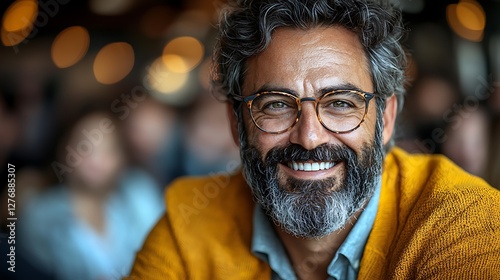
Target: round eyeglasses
{"type": "Point", "coordinates": [339, 111]}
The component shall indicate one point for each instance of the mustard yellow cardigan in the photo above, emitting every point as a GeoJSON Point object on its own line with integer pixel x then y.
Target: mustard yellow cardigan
{"type": "Point", "coordinates": [434, 222]}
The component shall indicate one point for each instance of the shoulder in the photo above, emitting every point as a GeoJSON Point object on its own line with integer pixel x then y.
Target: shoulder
{"type": "Point", "coordinates": [136, 185]}
{"type": "Point", "coordinates": [159, 257]}
{"type": "Point", "coordinates": [432, 183]}
{"type": "Point", "coordinates": [138, 200]}
{"type": "Point", "coordinates": [433, 177]}
{"type": "Point", "coordinates": [205, 232]}
{"type": "Point", "coordinates": [193, 198]}
{"type": "Point", "coordinates": [444, 216]}
{"type": "Point", "coordinates": [134, 180]}
{"type": "Point", "coordinates": [49, 205]}
{"type": "Point", "coordinates": [43, 223]}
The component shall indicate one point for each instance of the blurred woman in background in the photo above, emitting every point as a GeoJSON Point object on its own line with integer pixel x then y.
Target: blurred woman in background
{"type": "Point", "coordinates": [91, 225]}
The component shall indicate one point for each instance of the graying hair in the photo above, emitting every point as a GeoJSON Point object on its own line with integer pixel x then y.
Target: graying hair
{"type": "Point", "coordinates": [246, 26]}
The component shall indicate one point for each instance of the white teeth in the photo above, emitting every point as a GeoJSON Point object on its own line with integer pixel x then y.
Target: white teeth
{"type": "Point", "coordinates": [315, 166]}
{"type": "Point", "coordinates": [322, 166]}
{"type": "Point", "coordinates": [310, 166]}
{"type": "Point", "coordinates": [307, 166]}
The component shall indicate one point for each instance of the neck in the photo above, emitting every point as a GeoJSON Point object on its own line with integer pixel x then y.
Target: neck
{"type": "Point", "coordinates": [310, 257]}
{"type": "Point", "coordinates": [90, 208]}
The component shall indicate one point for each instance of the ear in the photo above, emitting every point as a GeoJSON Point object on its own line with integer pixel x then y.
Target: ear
{"type": "Point", "coordinates": [233, 122]}
{"type": "Point", "coordinates": [390, 113]}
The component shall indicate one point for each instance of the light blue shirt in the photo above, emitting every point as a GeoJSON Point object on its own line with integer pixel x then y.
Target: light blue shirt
{"type": "Point", "coordinates": [267, 246]}
{"type": "Point", "coordinates": [55, 241]}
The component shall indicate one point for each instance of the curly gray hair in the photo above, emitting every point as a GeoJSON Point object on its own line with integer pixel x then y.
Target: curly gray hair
{"type": "Point", "coordinates": [246, 26]}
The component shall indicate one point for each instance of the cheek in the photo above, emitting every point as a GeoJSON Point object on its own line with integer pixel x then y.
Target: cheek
{"type": "Point", "coordinates": [264, 142]}
{"type": "Point", "coordinates": [364, 134]}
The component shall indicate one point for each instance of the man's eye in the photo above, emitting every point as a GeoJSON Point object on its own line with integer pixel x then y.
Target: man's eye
{"type": "Point", "coordinates": [341, 104]}
{"type": "Point", "coordinates": [276, 105]}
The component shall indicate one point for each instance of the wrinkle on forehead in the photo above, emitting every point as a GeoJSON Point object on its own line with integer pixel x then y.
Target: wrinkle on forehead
{"type": "Point", "coordinates": [306, 60]}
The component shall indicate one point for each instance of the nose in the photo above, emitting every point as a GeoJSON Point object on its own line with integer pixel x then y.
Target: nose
{"type": "Point", "coordinates": [309, 132]}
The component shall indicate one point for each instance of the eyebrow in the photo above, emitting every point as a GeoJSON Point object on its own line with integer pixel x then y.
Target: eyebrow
{"type": "Point", "coordinates": [320, 92]}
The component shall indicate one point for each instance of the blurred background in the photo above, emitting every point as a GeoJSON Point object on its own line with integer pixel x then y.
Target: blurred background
{"type": "Point", "coordinates": [103, 103]}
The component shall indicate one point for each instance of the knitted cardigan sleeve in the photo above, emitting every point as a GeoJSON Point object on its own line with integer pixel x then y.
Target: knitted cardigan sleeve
{"type": "Point", "coordinates": [159, 257]}
{"type": "Point", "coordinates": [435, 221]}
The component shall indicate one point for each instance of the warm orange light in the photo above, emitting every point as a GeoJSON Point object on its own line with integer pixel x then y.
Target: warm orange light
{"type": "Point", "coordinates": [175, 63]}
{"type": "Point", "coordinates": [17, 22]}
{"type": "Point", "coordinates": [467, 19]}
{"type": "Point", "coordinates": [188, 48]}
{"type": "Point", "coordinates": [471, 15]}
{"type": "Point", "coordinates": [113, 63]}
{"type": "Point", "coordinates": [10, 39]}
{"type": "Point", "coordinates": [163, 80]}
{"type": "Point", "coordinates": [20, 15]}
{"type": "Point", "coordinates": [70, 46]}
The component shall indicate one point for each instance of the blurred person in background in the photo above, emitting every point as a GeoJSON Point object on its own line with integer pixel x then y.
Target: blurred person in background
{"type": "Point", "coordinates": [31, 175]}
{"type": "Point", "coordinates": [90, 226]}
{"type": "Point", "coordinates": [494, 161]}
{"type": "Point", "coordinates": [427, 101]}
{"type": "Point", "coordinates": [208, 144]}
{"type": "Point", "coordinates": [33, 89]}
{"type": "Point", "coordinates": [9, 129]}
{"type": "Point", "coordinates": [494, 158]}
{"type": "Point", "coordinates": [466, 139]}
{"type": "Point", "coordinates": [153, 133]}
{"type": "Point", "coordinates": [495, 99]}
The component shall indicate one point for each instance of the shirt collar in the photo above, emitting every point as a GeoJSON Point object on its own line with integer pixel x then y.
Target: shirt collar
{"type": "Point", "coordinates": [267, 246]}
{"type": "Point", "coordinates": [354, 245]}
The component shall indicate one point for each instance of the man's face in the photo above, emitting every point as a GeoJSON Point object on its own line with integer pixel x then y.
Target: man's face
{"type": "Point", "coordinates": [307, 61]}
{"type": "Point", "coordinates": [308, 203]}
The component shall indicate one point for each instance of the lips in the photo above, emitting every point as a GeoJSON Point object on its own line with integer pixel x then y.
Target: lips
{"type": "Point", "coordinates": [310, 166]}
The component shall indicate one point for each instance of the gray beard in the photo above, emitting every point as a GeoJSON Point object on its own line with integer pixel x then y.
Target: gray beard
{"type": "Point", "coordinates": [312, 208]}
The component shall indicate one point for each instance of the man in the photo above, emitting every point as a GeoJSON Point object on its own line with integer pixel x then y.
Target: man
{"type": "Point", "coordinates": [313, 89]}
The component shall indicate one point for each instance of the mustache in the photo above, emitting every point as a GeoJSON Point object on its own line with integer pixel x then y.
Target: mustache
{"type": "Point", "coordinates": [324, 152]}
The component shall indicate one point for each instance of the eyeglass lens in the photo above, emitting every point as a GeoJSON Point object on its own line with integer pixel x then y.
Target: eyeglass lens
{"type": "Point", "coordinates": [338, 111]}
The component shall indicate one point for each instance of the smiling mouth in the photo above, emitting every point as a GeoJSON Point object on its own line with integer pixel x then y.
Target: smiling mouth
{"type": "Point", "coordinates": [311, 166]}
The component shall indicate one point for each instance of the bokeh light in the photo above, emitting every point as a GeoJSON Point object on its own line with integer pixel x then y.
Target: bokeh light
{"type": "Point", "coordinates": [17, 21]}
{"type": "Point", "coordinates": [113, 62]}
{"type": "Point", "coordinates": [175, 63]}
{"type": "Point", "coordinates": [20, 15]}
{"type": "Point", "coordinates": [163, 80]}
{"type": "Point", "coordinates": [70, 46]}
{"type": "Point", "coordinates": [188, 49]}
{"type": "Point", "coordinates": [471, 15]}
{"type": "Point", "coordinates": [467, 19]}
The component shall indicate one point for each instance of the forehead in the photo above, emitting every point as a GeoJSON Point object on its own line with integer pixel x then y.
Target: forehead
{"type": "Point", "coordinates": [306, 61]}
